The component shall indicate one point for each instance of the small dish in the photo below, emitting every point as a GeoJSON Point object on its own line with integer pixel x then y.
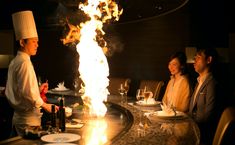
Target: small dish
{"type": "Point", "coordinates": [60, 90]}
{"type": "Point", "coordinates": [142, 103]}
{"type": "Point", "coordinates": [61, 138]}
{"type": "Point", "coordinates": [163, 114]}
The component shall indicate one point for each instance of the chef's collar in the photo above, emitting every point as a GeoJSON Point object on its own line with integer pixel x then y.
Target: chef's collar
{"type": "Point", "coordinates": [25, 55]}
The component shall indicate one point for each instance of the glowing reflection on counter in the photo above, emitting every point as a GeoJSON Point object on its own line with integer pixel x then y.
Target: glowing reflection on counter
{"type": "Point", "coordinates": [96, 133]}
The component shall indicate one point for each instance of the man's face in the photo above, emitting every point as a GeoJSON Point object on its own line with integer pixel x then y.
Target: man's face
{"type": "Point", "coordinates": [30, 46]}
{"type": "Point", "coordinates": [201, 62]}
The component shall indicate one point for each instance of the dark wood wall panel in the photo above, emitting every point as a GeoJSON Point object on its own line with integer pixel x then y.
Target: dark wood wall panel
{"type": "Point", "coordinates": [146, 47]}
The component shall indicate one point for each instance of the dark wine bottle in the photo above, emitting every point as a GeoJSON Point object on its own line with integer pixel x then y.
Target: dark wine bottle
{"type": "Point", "coordinates": [53, 116]}
{"type": "Point", "coordinates": [61, 115]}
{"type": "Point", "coordinates": [43, 119]}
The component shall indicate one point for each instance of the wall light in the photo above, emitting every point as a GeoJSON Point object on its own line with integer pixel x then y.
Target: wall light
{"type": "Point", "coordinates": [190, 54]}
{"type": "Point", "coordinates": [5, 60]}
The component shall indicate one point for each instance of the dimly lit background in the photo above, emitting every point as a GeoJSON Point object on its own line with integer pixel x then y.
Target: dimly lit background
{"type": "Point", "coordinates": [141, 42]}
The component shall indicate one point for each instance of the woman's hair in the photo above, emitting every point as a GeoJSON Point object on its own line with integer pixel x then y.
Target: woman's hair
{"type": "Point", "coordinates": [182, 59]}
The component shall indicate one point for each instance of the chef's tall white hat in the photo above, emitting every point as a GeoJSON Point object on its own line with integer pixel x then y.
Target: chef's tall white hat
{"type": "Point", "coordinates": [24, 25]}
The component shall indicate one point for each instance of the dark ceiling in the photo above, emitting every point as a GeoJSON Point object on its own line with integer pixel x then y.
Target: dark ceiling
{"type": "Point", "coordinates": [49, 13]}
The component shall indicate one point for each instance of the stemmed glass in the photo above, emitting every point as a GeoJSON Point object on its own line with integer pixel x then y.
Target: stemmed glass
{"type": "Point", "coordinates": [126, 88]}
{"type": "Point", "coordinates": [140, 94]}
{"type": "Point", "coordinates": [140, 128]}
{"type": "Point", "coordinates": [122, 91]}
{"type": "Point", "coordinates": [139, 97]}
{"type": "Point", "coordinates": [147, 94]}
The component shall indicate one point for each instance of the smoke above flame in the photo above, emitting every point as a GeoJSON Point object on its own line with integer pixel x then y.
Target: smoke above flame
{"type": "Point", "coordinates": [93, 65]}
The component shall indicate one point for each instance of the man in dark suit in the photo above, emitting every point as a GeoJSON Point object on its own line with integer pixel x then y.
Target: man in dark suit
{"type": "Point", "coordinates": [203, 103]}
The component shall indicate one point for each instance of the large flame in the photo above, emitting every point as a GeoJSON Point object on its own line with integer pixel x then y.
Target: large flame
{"type": "Point", "coordinates": [93, 68]}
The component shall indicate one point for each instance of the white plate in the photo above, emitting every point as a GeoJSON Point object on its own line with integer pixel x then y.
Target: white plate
{"type": "Point", "coordinates": [142, 103]}
{"type": "Point", "coordinates": [59, 90]}
{"type": "Point", "coordinates": [61, 137]}
{"type": "Point", "coordinates": [74, 125]}
{"type": "Point", "coordinates": [162, 114]}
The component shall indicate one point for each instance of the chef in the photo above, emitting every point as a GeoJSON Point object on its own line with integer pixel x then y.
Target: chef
{"type": "Point", "coordinates": [22, 88]}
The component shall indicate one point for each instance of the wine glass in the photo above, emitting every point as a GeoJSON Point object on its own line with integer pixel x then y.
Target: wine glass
{"type": "Point", "coordinates": [139, 97]}
{"type": "Point", "coordinates": [140, 94]}
{"type": "Point", "coordinates": [122, 91]}
{"type": "Point", "coordinates": [147, 94]}
{"type": "Point", "coordinates": [126, 87]}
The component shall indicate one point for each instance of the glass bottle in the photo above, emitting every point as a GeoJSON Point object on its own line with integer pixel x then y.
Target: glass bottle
{"type": "Point", "coordinates": [53, 116]}
{"type": "Point", "coordinates": [61, 114]}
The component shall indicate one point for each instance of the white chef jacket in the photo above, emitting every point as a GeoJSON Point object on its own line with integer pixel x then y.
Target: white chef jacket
{"type": "Point", "coordinates": [22, 91]}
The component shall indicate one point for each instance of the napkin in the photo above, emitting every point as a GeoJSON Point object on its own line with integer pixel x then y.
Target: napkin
{"type": "Point", "coordinates": [166, 110]}
{"type": "Point", "coordinates": [74, 125]}
{"type": "Point", "coordinates": [151, 101]}
{"type": "Point", "coordinates": [61, 86]}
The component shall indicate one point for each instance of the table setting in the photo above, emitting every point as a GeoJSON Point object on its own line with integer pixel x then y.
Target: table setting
{"type": "Point", "coordinates": [60, 88]}
{"type": "Point", "coordinates": [157, 123]}
{"type": "Point", "coordinates": [145, 101]}
{"type": "Point", "coordinates": [166, 112]}
{"type": "Point", "coordinates": [153, 123]}
{"type": "Point", "coordinates": [153, 109]}
{"type": "Point", "coordinates": [51, 129]}
{"type": "Point", "coordinates": [61, 138]}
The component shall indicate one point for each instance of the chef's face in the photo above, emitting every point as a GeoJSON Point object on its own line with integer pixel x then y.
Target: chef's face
{"type": "Point", "coordinates": [29, 46]}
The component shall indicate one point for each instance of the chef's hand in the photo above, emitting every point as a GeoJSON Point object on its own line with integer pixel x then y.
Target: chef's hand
{"type": "Point", "coordinates": [47, 107]}
{"type": "Point", "coordinates": [44, 87]}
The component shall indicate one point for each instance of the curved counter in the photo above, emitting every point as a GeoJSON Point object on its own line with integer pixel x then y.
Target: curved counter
{"type": "Point", "coordinates": [127, 124]}
{"type": "Point", "coordinates": [153, 130]}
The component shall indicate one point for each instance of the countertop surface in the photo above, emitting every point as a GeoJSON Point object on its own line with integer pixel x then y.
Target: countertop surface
{"type": "Point", "coordinates": [130, 124]}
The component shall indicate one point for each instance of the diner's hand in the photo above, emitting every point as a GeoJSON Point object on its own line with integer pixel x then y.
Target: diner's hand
{"type": "Point", "coordinates": [47, 107]}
